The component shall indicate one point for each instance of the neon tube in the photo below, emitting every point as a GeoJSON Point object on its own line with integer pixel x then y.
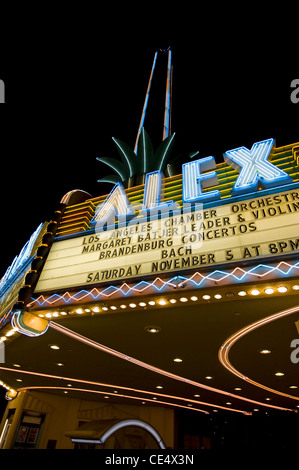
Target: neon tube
{"type": "Point", "coordinates": [99, 384]}
{"type": "Point", "coordinates": [94, 344]}
{"type": "Point", "coordinates": [225, 348]}
{"type": "Point", "coordinates": [238, 274]}
{"type": "Point", "coordinates": [145, 102]}
{"type": "Point", "coordinates": [166, 128]}
{"type": "Point", "coordinates": [112, 394]}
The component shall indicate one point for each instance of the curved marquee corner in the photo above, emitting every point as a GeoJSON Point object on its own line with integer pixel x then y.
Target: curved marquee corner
{"type": "Point", "coordinates": [29, 324]}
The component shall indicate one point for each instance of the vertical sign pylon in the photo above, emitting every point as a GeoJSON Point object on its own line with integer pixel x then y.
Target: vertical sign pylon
{"type": "Point", "coordinates": [145, 102]}
{"type": "Point", "coordinates": [166, 128]}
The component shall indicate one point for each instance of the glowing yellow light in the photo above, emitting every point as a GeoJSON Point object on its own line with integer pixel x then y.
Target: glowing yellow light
{"type": "Point", "coordinates": [177, 359]}
{"type": "Point", "coordinates": [206, 297]}
{"type": "Point", "coordinates": [255, 292]}
{"type": "Point", "coordinates": [265, 351]}
{"type": "Point", "coordinates": [218, 296]}
{"type": "Point", "coordinates": [279, 374]}
{"type": "Point", "coordinates": [10, 333]}
{"type": "Point", "coordinates": [269, 290]}
{"type": "Point", "coordinates": [242, 293]}
{"type": "Point", "coordinates": [79, 311]}
{"type": "Point", "coordinates": [194, 298]}
{"type": "Point", "coordinates": [183, 299]}
{"type": "Point", "coordinates": [152, 329]}
{"type": "Point", "coordinates": [172, 301]}
{"type": "Point", "coordinates": [162, 302]}
{"type": "Point", "coordinates": [96, 309]}
{"type": "Point", "coordinates": [132, 305]}
{"type": "Point", "coordinates": [282, 289]}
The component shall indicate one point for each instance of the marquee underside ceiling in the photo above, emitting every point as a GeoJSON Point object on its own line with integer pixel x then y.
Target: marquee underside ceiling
{"type": "Point", "coordinates": [140, 361]}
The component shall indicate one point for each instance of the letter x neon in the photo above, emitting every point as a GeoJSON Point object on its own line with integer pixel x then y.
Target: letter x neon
{"type": "Point", "coordinates": [256, 170]}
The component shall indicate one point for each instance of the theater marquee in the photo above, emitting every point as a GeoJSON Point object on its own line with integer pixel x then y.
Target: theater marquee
{"type": "Point", "coordinates": [231, 232]}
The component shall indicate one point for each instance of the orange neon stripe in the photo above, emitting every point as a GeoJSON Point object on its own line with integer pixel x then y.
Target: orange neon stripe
{"type": "Point", "coordinates": [223, 352]}
{"type": "Point", "coordinates": [99, 384]}
{"type": "Point", "coordinates": [101, 347]}
{"type": "Point", "coordinates": [111, 394]}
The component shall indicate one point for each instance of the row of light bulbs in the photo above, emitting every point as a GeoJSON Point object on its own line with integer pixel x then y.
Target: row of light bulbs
{"type": "Point", "coordinates": [269, 290]}
{"type": "Point", "coordinates": [162, 302]}
{"type": "Point", "coordinates": [7, 335]}
{"type": "Point", "coordinates": [7, 387]}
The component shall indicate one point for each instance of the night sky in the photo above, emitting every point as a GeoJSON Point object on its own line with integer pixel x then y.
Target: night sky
{"type": "Point", "coordinates": [63, 108]}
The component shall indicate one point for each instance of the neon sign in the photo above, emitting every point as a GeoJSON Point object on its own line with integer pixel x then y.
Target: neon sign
{"type": "Point", "coordinates": [153, 193]}
{"type": "Point", "coordinates": [116, 204]}
{"type": "Point", "coordinates": [194, 181]}
{"type": "Point", "coordinates": [255, 171]}
{"type": "Point", "coordinates": [19, 262]}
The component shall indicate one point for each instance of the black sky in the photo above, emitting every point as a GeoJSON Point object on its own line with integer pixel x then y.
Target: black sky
{"type": "Point", "coordinates": [64, 104]}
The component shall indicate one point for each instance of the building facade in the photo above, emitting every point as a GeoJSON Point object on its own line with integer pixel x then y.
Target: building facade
{"type": "Point", "coordinates": [169, 295]}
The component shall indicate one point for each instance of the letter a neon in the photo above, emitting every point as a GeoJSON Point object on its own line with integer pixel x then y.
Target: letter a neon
{"type": "Point", "coordinates": [116, 204]}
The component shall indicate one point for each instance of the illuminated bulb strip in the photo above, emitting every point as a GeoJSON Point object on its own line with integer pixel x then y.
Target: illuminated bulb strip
{"type": "Point", "coordinates": [216, 276]}
{"type": "Point", "coordinates": [99, 384]}
{"type": "Point", "coordinates": [223, 352]}
{"type": "Point", "coordinates": [101, 347]}
{"type": "Point", "coordinates": [9, 389]}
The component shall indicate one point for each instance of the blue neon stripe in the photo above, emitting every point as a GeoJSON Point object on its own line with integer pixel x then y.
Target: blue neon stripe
{"type": "Point", "coordinates": [259, 269]}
